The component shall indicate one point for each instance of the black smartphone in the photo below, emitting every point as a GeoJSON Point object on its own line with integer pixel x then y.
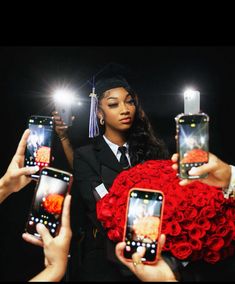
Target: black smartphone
{"type": "Point", "coordinates": [143, 223]}
{"type": "Point", "coordinates": [39, 144]}
{"type": "Point", "coordinates": [64, 111]}
{"type": "Point", "coordinates": [192, 142]}
{"type": "Point", "coordinates": [47, 205]}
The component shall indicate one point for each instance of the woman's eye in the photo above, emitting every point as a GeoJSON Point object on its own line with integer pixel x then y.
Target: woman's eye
{"type": "Point", "coordinates": [113, 105]}
{"type": "Point", "coordinates": [131, 102]}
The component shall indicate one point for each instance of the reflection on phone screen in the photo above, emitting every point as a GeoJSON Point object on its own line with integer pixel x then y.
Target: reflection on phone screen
{"type": "Point", "coordinates": [143, 223]}
{"type": "Point", "coordinates": [193, 142]}
{"type": "Point", "coordinates": [48, 203]}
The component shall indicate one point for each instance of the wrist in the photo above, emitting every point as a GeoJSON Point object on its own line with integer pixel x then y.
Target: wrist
{"type": "Point", "coordinates": [63, 137]}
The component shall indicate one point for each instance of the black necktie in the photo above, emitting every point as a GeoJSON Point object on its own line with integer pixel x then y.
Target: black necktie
{"type": "Point", "coordinates": [123, 161]}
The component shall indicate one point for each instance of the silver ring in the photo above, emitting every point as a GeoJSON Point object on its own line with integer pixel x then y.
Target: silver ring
{"type": "Point", "coordinates": [137, 262]}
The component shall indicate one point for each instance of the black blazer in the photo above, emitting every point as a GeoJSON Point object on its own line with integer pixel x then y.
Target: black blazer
{"type": "Point", "coordinates": [95, 164]}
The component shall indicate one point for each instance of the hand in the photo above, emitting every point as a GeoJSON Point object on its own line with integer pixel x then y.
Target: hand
{"type": "Point", "coordinates": [60, 127]}
{"type": "Point", "coordinates": [219, 173]}
{"type": "Point", "coordinates": [17, 176]}
{"type": "Point", "coordinates": [56, 249]}
{"type": "Point", "coordinates": [159, 271]}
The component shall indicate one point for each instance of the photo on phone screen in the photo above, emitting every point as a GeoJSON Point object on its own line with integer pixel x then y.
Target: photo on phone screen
{"type": "Point", "coordinates": [39, 143]}
{"type": "Point", "coordinates": [143, 222]}
{"type": "Point", "coordinates": [193, 142]}
{"type": "Point", "coordinates": [47, 205]}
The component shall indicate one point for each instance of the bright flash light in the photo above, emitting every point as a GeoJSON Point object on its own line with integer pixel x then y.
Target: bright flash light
{"type": "Point", "coordinates": [64, 96]}
{"type": "Point", "coordinates": [190, 94]}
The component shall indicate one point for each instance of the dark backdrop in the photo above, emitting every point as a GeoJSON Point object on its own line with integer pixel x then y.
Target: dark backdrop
{"type": "Point", "coordinates": [159, 74]}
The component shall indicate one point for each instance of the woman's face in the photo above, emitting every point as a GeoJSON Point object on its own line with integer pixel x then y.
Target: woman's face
{"type": "Point", "coordinates": [117, 108]}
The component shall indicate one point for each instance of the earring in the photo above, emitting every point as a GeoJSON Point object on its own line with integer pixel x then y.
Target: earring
{"type": "Point", "coordinates": [101, 121]}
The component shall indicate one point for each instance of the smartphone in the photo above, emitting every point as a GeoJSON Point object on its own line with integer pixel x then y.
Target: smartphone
{"type": "Point", "coordinates": [65, 112]}
{"type": "Point", "coordinates": [52, 186]}
{"type": "Point", "coordinates": [192, 142]}
{"type": "Point", "coordinates": [191, 102]}
{"type": "Point", "coordinates": [143, 223]}
{"type": "Point", "coordinates": [39, 144]}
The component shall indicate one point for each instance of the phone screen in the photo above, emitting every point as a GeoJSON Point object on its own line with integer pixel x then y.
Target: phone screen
{"type": "Point", "coordinates": [39, 143]}
{"type": "Point", "coordinates": [50, 192]}
{"type": "Point", "coordinates": [143, 223]}
{"type": "Point", "coordinates": [193, 144]}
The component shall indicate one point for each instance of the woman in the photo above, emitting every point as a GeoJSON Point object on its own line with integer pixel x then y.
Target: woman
{"type": "Point", "coordinates": [123, 123]}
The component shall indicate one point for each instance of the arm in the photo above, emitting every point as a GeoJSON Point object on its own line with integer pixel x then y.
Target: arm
{"type": "Point", "coordinates": [159, 271]}
{"type": "Point", "coordinates": [16, 176]}
{"type": "Point", "coordinates": [61, 130]}
{"type": "Point", "coordinates": [56, 249]}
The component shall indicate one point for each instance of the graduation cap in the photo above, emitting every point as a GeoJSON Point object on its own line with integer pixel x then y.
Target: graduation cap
{"type": "Point", "coordinates": [108, 82]}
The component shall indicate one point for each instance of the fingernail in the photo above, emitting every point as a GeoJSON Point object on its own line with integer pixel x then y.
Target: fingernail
{"type": "Point", "coordinates": [193, 171]}
{"type": "Point", "coordinates": [34, 169]}
{"type": "Point", "coordinates": [141, 249]}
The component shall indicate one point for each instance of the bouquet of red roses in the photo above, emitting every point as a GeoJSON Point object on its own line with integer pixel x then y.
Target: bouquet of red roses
{"type": "Point", "coordinates": [197, 220]}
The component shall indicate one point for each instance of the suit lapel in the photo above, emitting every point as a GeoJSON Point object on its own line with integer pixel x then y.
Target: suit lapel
{"type": "Point", "coordinates": [106, 155]}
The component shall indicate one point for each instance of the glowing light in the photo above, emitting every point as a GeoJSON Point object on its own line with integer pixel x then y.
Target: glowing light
{"type": "Point", "coordinates": [64, 96]}
{"type": "Point", "coordinates": [191, 93]}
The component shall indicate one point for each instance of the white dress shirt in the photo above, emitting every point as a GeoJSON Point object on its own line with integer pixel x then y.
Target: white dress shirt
{"type": "Point", "coordinates": [114, 148]}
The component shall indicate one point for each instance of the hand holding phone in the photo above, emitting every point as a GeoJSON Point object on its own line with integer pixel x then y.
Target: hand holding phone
{"type": "Point", "coordinates": [50, 191]}
{"type": "Point", "coordinates": [192, 142]}
{"type": "Point", "coordinates": [143, 223]}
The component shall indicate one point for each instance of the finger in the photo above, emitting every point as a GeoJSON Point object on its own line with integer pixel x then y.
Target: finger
{"type": "Point", "coordinates": [31, 239]}
{"type": "Point", "coordinates": [65, 219]}
{"type": "Point", "coordinates": [136, 258]}
{"type": "Point", "coordinates": [184, 182]}
{"type": "Point", "coordinates": [119, 249]}
{"type": "Point", "coordinates": [23, 142]}
{"type": "Point", "coordinates": [62, 127]}
{"type": "Point", "coordinates": [25, 171]}
{"type": "Point", "coordinates": [175, 157]}
{"type": "Point", "coordinates": [161, 242]}
{"type": "Point", "coordinates": [204, 169]}
{"type": "Point", "coordinates": [175, 167]}
{"type": "Point", "coordinates": [44, 233]}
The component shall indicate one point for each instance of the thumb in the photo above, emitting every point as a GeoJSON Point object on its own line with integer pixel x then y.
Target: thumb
{"type": "Point", "coordinates": [44, 233]}
{"type": "Point", "coordinates": [161, 242]}
{"type": "Point", "coordinates": [26, 171]}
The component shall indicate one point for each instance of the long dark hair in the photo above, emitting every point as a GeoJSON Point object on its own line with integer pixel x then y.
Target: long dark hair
{"type": "Point", "coordinates": [144, 144]}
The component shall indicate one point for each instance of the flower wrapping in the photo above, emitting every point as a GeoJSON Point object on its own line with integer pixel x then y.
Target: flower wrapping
{"type": "Point", "coordinates": [197, 220]}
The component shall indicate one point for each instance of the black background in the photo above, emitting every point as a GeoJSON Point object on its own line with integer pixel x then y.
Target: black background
{"type": "Point", "coordinates": [159, 74]}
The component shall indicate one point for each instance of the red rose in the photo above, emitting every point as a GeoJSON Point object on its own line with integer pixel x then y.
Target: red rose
{"type": "Point", "coordinates": [215, 243]}
{"type": "Point", "coordinates": [173, 228]}
{"type": "Point", "coordinates": [197, 233]}
{"type": "Point", "coordinates": [53, 203]}
{"type": "Point", "coordinates": [198, 221]}
{"type": "Point", "coordinates": [212, 256]}
{"type": "Point", "coordinates": [182, 250]}
{"type": "Point", "coordinates": [208, 212]}
{"type": "Point", "coordinates": [204, 223]}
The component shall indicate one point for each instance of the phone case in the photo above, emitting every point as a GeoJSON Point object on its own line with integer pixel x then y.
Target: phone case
{"type": "Point", "coordinates": [52, 187]}
{"type": "Point", "coordinates": [159, 226]}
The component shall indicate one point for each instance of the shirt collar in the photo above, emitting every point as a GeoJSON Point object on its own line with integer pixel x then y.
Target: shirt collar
{"type": "Point", "coordinates": [114, 147]}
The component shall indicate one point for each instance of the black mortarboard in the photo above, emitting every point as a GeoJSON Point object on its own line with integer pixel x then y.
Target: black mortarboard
{"type": "Point", "coordinates": [110, 83]}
